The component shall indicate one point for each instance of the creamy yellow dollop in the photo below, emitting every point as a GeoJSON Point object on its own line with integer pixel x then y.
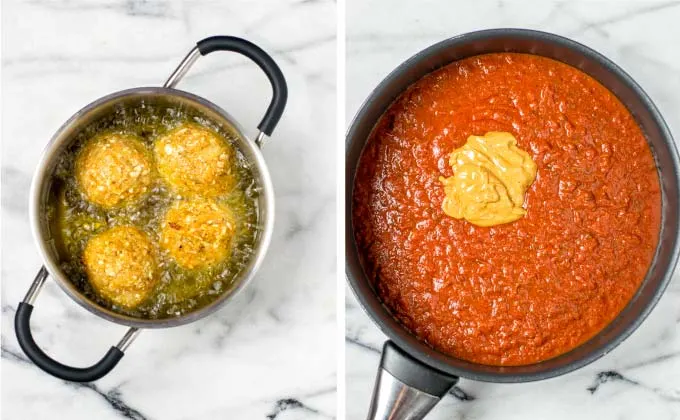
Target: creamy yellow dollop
{"type": "Point", "coordinates": [490, 177]}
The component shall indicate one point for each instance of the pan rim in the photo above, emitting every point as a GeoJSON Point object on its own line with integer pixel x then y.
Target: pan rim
{"type": "Point", "coordinates": [407, 341]}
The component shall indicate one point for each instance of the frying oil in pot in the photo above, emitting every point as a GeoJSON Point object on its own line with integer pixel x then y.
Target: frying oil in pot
{"type": "Point", "coordinates": [74, 220]}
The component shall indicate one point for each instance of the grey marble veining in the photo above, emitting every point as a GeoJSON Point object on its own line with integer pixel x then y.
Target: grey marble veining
{"type": "Point", "coordinates": [641, 378]}
{"type": "Point", "coordinates": [271, 353]}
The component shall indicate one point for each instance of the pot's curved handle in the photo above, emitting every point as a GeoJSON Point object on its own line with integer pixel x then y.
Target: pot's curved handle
{"type": "Point", "coordinates": [22, 326]}
{"type": "Point", "coordinates": [259, 57]}
{"type": "Point", "coordinates": [406, 389]}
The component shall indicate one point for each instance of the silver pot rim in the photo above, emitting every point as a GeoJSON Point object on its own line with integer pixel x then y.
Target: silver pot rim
{"type": "Point", "coordinates": [42, 173]}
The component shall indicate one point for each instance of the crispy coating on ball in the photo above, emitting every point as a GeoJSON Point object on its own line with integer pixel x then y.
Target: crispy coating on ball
{"type": "Point", "coordinates": [121, 265]}
{"type": "Point", "coordinates": [195, 161]}
{"type": "Point", "coordinates": [114, 169]}
{"type": "Point", "coordinates": [197, 233]}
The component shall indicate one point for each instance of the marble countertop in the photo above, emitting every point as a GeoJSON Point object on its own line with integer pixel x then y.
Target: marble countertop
{"type": "Point", "coordinates": [640, 379]}
{"type": "Point", "coordinates": [270, 354]}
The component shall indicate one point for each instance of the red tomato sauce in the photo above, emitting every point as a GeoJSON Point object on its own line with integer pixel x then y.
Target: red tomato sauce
{"type": "Point", "coordinates": [526, 291]}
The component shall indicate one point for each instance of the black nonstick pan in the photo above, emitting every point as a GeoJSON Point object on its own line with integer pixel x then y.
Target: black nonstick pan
{"type": "Point", "coordinates": [413, 376]}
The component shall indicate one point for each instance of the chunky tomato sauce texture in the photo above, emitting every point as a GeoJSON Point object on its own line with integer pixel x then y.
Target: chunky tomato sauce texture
{"type": "Point", "coordinates": [526, 291]}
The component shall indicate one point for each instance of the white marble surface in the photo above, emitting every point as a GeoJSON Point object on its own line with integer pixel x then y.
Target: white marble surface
{"type": "Point", "coordinates": [644, 372]}
{"type": "Point", "coordinates": [271, 353]}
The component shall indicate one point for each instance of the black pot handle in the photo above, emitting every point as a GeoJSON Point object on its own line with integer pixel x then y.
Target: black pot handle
{"type": "Point", "coordinates": [22, 326]}
{"type": "Point", "coordinates": [257, 55]}
{"type": "Point", "coordinates": [405, 388]}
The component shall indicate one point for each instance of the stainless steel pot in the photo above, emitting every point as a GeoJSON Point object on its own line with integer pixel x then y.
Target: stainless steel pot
{"type": "Point", "coordinates": [65, 136]}
{"type": "Point", "coordinates": [413, 376]}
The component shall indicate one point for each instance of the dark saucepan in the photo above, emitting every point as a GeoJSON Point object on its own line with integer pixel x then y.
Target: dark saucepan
{"type": "Point", "coordinates": [413, 376]}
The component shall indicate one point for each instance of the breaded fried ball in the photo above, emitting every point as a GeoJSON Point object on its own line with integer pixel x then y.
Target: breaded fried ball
{"type": "Point", "coordinates": [197, 233]}
{"type": "Point", "coordinates": [121, 265]}
{"type": "Point", "coordinates": [195, 161]}
{"type": "Point", "coordinates": [114, 169]}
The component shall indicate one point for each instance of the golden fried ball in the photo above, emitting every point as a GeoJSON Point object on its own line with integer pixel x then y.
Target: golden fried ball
{"type": "Point", "coordinates": [121, 265]}
{"type": "Point", "coordinates": [197, 233]}
{"type": "Point", "coordinates": [195, 161]}
{"type": "Point", "coordinates": [113, 169]}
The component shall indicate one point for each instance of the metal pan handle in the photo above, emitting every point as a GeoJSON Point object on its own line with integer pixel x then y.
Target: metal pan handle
{"type": "Point", "coordinates": [259, 57]}
{"type": "Point", "coordinates": [406, 389]}
{"type": "Point", "coordinates": [22, 326]}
